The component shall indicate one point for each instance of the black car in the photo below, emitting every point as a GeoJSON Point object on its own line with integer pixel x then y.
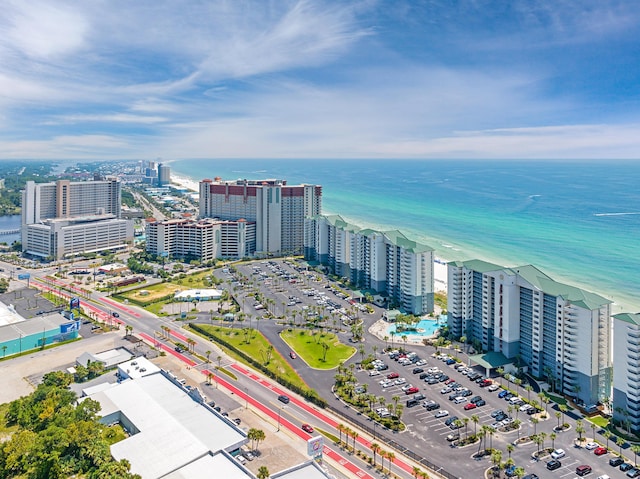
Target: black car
{"type": "Point", "coordinates": [466, 393]}
{"type": "Point", "coordinates": [497, 412]}
{"type": "Point", "coordinates": [616, 461]}
{"type": "Point", "coordinates": [283, 398]}
{"type": "Point", "coordinates": [475, 399]}
{"type": "Point", "coordinates": [531, 476]}
{"type": "Point", "coordinates": [417, 370]}
{"type": "Point", "coordinates": [423, 375]}
{"type": "Point", "coordinates": [431, 406]}
{"type": "Point", "coordinates": [179, 349]}
{"type": "Point", "coordinates": [443, 378]}
{"type": "Point", "coordinates": [418, 396]}
{"type": "Point", "coordinates": [482, 402]}
{"type": "Point", "coordinates": [625, 466]}
{"type": "Point", "coordinates": [450, 421]}
{"type": "Point", "coordinates": [553, 464]}
{"type": "Point", "coordinates": [383, 367]}
{"type": "Point", "coordinates": [501, 417]}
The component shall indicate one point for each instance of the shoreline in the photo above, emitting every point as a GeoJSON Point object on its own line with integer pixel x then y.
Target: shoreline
{"type": "Point", "coordinates": [439, 264]}
{"type": "Point", "coordinates": [619, 303]}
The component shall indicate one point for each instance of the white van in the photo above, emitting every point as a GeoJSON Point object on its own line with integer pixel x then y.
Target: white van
{"type": "Point", "coordinates": [515, 400]}
{"type": "Point", "coordinates": [459, 399]}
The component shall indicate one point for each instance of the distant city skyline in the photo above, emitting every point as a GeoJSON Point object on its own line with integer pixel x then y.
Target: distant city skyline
{"type": "Point", "coordinates": [319, 79]}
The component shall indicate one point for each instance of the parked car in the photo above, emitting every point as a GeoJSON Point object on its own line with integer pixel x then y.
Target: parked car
{"type": "Point", "coordinates": [417, 370]}
{"type": "Point", "coordinates": [393, 375]}
{"type": "Point", "coordinates": [470, 406]}
{"type": "Point", "coordinates": [558, 453]}
{"type": "Point", "coordinates": [482, 402]}
{"type": "Point", "coordinates": [599, 451]}
{"type": "Point", "coordinates": [553, 464]}
{"type": "Point", "coordinates": [625, 466]}
{"type": "Point", "coordinates": [590, 446]}
{"type": "Point", "coordinates": [584, 469]}
{"type": "Point", "coordinates": [412, 390]}
{"type": "Point", "coordinates": [442, 413]}
{"type": "Point", "coordinates": [615, 461]}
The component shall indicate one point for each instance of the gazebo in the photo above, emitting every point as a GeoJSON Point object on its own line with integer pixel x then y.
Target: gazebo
{"type": "Point", "coordinates": [491, 360]}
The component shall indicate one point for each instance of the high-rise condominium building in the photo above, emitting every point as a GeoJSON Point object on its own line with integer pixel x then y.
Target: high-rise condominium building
{"type": "Point", "coordinates": [205, 239]}
{"type": "Point", "coordinates": [386, 262]}
{"type": "Point", "coordinates": [559, 332]}
{"type": "Point", "coordinates": [65, 218]}
{"type": "Point", "coordinates": [164, 175]}
{"type": "Point", "coordinates": [626, 373]}
{"type": "Point", "coordinates": [277, 209]}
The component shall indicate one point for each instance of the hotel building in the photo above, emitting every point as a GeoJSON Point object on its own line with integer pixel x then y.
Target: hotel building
{"type": "Point", "coordinates": [205, 240]}
{"type": "Point", "coordinates": [385, 262]}
{"type": "Point", "coordinates": [64, 218]}
{"type": "Point", "coordinates": [560, 332]}
{"type": "Point", "coordinates": [626, 374]}
{"type": "Point", "coordinates": [277, 209]}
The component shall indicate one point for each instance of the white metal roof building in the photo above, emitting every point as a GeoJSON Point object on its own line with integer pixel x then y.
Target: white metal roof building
{"type": "Point", "coordinates": [168, 429]}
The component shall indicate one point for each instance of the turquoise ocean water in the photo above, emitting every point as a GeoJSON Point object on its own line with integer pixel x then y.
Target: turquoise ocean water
{"type": "Point", "coordinates": [579, 222]}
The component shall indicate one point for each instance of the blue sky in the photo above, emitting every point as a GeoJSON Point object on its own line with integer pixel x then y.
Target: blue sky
{"type": "Point", "coordinates": [320, 79]}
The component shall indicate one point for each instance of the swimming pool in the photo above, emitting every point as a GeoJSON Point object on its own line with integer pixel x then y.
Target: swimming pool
{"type": "Point", "coordinates": [425, 328]}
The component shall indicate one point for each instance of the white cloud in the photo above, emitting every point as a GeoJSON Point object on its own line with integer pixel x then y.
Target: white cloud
{"type": "Point", "coordinates": [42, 30]}
{"type": "Point", "coordinates": [115, 118]}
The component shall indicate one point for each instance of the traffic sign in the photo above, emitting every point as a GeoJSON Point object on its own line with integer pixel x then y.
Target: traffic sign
{"type": "Point", "coordinates": [24, 276]}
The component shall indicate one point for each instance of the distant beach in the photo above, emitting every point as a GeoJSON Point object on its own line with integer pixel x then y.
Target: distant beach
{"type": "Point", "coordinates": [562, 217]}
{"type": "Point", "coordinates": [439, 265]}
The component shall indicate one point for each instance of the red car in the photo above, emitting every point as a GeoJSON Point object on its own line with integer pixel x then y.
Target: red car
{"type": "Point", "coordinates": [307, 428]}
{"type": "Point", "coordinates": [469, 406]}
{"type": "Point", "coordinates": [449, 381]}
{"type": "Point", "coordinates": [292, 355]}
{"type": "Point", "coordinates": [412, 390]}
{"type": "Point", "coordinates": [393, 375]}
{"type": "Point", "coordinates": [599, 451]}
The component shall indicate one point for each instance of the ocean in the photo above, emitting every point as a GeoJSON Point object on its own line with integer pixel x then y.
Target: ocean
{"type": "Point", "coordinates": [579, 222]}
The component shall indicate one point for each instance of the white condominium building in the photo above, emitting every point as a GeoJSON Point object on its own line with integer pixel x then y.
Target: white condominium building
{"type": "Point", "coordinates": [64, 218]}
{"type": "Point", "coordinates": [385, 262]}
{"type": "Point", "coordinates": [560, 332]}
{"type": "Point", "coordinates": [204, 240]}
{"type": "Point", "coordinates": [277, 209]}
{"type": "Point", "coordinates": [626, 374]}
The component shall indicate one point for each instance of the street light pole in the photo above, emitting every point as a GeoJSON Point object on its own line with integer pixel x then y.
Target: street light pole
{"type": "Point", "coordinates": [279, 413]}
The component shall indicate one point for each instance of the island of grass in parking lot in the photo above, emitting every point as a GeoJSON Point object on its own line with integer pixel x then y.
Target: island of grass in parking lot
{"type": "Point", "coordinates": [319, 350]}
{"type": "Point", "coordinates": [254, 345]}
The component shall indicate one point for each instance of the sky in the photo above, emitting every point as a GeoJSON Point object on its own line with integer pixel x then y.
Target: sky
{"type": "Point", "coordinates": [431, 79]}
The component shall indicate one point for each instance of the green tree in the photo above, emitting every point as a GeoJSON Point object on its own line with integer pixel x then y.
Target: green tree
{"type": "Point", "coordinates": [263, 472]}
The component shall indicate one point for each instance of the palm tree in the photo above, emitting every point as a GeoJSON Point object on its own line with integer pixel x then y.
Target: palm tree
{"type": "Point", "coordinates": [563, 409]}
{"type": "Point", "coordinates": [510, 449]}
{"type": "Point", "coordinates": [607, 436]}
{"type": "Point", "coordinates": [593, 431]}
{"type": "Point", "coordinates": [465, 420]}
{"type": "Point", "coordinates": [263, 472]}
{"type": "Point", "coordinates": [207, 354]}
{"type": "Point", "coordinates": [475, 420]}
{"type": "Point", "coordinates": [340, 427]}
{"type": "Point", "coordinates": [535, 422]}
{"type": "Point", "coordinates": [636, 449]}
{"type": "Point", "coordinates": [382, 455]}
{"type": "Point", "coordinates": [500, 372]}
{"type": "Point", "coordinates": [553, 436]}
{"type": "Point", "coordinates": [579, 429]}
{"type": "Point", "coordinates": [416, 472]}
{"type": "Point", "coordinates": [517, 424]}
{"type": "Point", "coordinates": [620, 442]}
{"type": "Point", "coordinates": [537, 440]}
{"type": "Point", "coordinates": [519, 472]}
{"type": "Point", "coordinates": [375, 447]}
{"type": "Point", "coordinates": [528, 388]}
{"type": "Point", "coordinates": [354, 435]}
{"type": "Point", "coordinates": [390, 457]}
{"type": "Point", "coordinates": [558, 415]}
{"type": "Point", "coordinates": [496, 458]}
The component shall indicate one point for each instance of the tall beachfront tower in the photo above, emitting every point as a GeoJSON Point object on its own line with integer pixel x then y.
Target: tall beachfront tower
{"type": "Point", "coordinates": [277, 209]}
{"type": "Point", "coordinates": [385, 262]}
{"type": "Point", "coordinates": [164, 175]}
{"type": "Point", "coordinates": [63, 218]}
{"type": "Point", "coordinates": [626, 374]}
{"type": "Point", "coordinates": [560, 332]}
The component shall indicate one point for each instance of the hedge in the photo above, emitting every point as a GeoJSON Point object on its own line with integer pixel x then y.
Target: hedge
{"type": "Point", "coordinates": [308, 394]}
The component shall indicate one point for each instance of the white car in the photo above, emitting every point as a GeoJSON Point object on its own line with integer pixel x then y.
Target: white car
{"type": "Point", "coordinates": [386, 383]}
{"type": "Point", "coordinates": [445, 390]}
{"type": "Point", "coordinates": [422, 362]}
{"type": "Point", "coordinates": [524, 407]}
{"type": "Point", "coordinates": [399, 381]}
{"type": "Point", "coordinates": [493, 387]}
{"type": "Point", "coordinates": [558, 453]}
{"type": "Point", "coordinates": [442, 413]}
{"type": "Point", "coordinates": [496, 425]}
{"type": "Point", "coordinates": [407, 386]}
{"type": "Point", "coordinates": [374, 372]}
{"type": "Point", "coordinates": [591, 446]}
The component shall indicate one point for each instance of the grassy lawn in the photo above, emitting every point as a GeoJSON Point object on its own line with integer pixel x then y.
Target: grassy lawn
{"type": "Point", "coordinates": [558, 399]}
{"type": "Point", "coordinates": [154, 291]}
{"type": "Point", "coordinates": [599, 421]}
{"type": "Point", "coordinates": [309, 347]}
{"type": "Point", "coordinates": [258, 348]}
{"type": "Point", "coordinates": [196, 281]}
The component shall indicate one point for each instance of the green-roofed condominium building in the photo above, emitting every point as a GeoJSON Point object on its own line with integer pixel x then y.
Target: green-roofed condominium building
{"type": "Point", "coordinates": [626, 374]}
{"type": "Point", "coordinates": [562, 333]}
{"type": "Point", "coordinates": [386, 262]}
